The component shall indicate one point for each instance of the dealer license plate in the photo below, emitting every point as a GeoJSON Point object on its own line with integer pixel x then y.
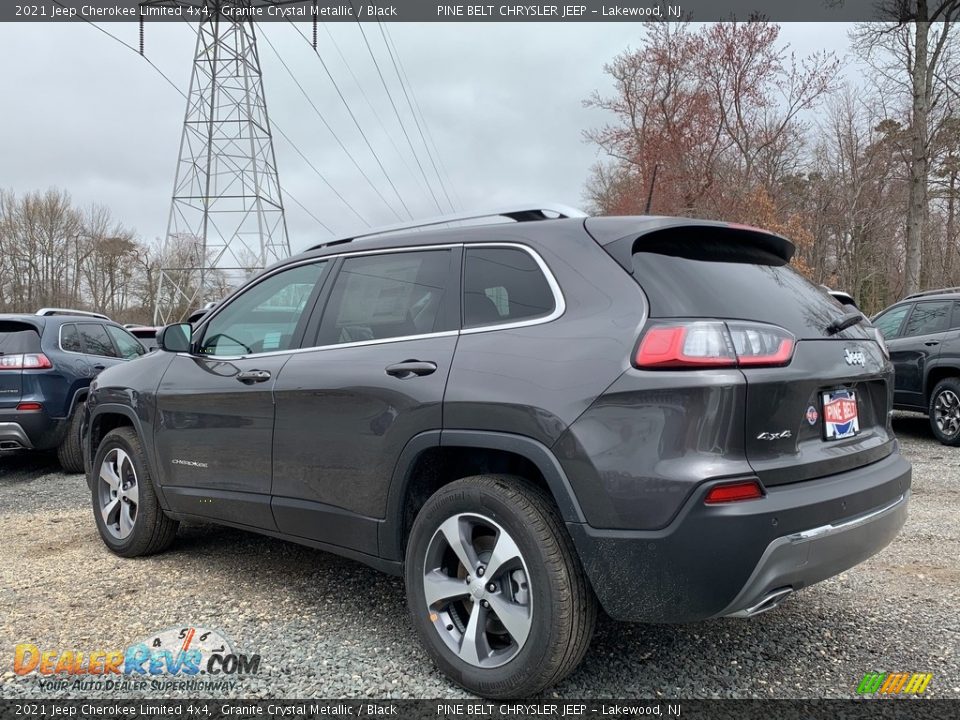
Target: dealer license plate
{"type": "Point", "coordinates": [840, 418]}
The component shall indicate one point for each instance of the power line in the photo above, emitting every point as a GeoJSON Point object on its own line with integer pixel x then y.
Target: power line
{"type": "Point", "coordinates": [373, 109]}
{"type": "Point", "coordinates": [327, 125]}
{"type": "Point", "coordinates": [182, 94]}
{"type": "Point", "coordinates": [423, 117]}
{"type": "Point", "coordinates": [403, 86]}
{"type": "Point", "coordinates": [356, 122]}
{"type": "Point", "coordinates": [396, 112]}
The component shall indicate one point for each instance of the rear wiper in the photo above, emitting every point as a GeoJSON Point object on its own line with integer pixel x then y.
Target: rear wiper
{"type": "Point", "coordinates": [842, 323]}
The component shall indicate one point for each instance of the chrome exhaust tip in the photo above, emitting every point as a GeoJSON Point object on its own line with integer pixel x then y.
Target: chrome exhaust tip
{"type": "Point", "coordinates": [771, 600]}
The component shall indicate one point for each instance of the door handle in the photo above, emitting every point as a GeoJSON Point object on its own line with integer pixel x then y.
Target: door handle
{"type": "Point", "coordinates": [250, 377]}
{"type": "Point", "coordinates": [931, 343]}
{"type": "Point", "coordinates": [99, 368]}
{"type": "Point", "coordinates": [408, 368]}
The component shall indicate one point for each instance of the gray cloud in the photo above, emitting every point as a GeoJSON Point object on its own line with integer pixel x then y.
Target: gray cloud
{"type": "Point", "coordinates": [503, 102]}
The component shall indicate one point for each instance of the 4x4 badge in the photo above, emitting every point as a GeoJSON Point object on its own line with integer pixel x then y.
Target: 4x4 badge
{"type": "Point", "coordinates": [854, 357]}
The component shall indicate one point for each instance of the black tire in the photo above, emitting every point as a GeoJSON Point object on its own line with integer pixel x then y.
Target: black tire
{"type": "Point", "coordinates": [562, 606]}
{"type": "Point", "coordinates": [152, 531]}
{"type": "Point", "coordinates": [944, 411]}
{"type": "Point", "coordinates": [70, 451]}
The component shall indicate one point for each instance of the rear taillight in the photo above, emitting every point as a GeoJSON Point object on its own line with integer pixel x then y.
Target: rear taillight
{"type": "Point", "coordinates": [32, 361]}
{"type": "Point", "coordinates": [734, 492]}
{"type": "Point", "coordinates": [713, 344]}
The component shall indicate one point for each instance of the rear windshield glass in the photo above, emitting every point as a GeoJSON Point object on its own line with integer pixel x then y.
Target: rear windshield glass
{"type": "Point", "coordinates": [17, 338]}
{"type": "Point", "coordinates": [727, 281]}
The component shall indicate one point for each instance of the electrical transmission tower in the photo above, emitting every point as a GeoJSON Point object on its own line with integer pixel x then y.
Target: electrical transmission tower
{"type": "Point", "coordinates": [226, 218]}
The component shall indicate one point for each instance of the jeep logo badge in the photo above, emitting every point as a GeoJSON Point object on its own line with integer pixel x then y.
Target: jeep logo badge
{"type": "Point", "coordinates": [854, 357]}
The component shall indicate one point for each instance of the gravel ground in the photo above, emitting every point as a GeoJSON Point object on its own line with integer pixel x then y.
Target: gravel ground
{"type": "Point", "coordinates": [328, 627]}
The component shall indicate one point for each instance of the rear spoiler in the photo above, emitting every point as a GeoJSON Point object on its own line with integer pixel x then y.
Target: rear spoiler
{"type": "Point", "coordinates": [622, 236]}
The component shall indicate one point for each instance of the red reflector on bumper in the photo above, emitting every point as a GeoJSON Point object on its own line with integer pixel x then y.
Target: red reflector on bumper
{"type": "Point", "coordinates": [29, 406]}
{"type": "Point", "coordinates": [734, 492]}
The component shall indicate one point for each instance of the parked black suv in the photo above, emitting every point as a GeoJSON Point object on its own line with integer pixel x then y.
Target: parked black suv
{"type": "Point", "coordinates": [923, 335]}
{"type": "Point", "coordinates": [522, 419]}
{"type": "Point", "coordinates": [47, 361]}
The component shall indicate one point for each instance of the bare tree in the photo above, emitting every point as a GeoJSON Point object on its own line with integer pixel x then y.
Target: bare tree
{"type": "Point", "coordinates": [911, 56]}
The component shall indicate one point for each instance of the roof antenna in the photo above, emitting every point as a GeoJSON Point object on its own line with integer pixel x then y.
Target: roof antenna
{"type": "Point", "coordinates": [653, 179]}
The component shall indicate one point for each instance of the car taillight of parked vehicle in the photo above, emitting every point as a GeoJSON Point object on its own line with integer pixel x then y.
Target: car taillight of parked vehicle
{"type": "Point", "coordinates": [713, 344]}
{"type": "Point", "coordinates": [29, 361]}
{"type": "Point", "coordinates": [734, 492]}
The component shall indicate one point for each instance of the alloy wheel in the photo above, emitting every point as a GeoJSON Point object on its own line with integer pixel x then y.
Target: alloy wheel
{"type": "Point", "coordinates": [477, 590]}
{"type": "Point", "coordinates": [946, 412]}
{"type": "Point", "coordinates": [118, 493]}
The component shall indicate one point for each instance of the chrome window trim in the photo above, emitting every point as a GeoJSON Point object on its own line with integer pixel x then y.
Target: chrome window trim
{"type": "Point", "coordinates": [560, 305]}
{"type": "Point", "coordinates": [87, 321]}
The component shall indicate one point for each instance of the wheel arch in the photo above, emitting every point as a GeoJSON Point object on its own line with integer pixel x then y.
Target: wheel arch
{"type": "Point", "coordinates": [109, 416]}
{"type": "Point", "coordinates": [935, 373]}
{"type": "Point", "coordinates": [436, 458]}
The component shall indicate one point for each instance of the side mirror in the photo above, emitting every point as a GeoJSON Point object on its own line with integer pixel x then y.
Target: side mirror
{"type": "Point", "coordinates": [175, 338]}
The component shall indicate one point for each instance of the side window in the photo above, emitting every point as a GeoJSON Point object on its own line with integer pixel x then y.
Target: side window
{"type": "Point", "coordinates": [126, 343]}
{"type": "Point", "coordinates": [889, 323]}
{"type": "Point", "coordinates": [956, 316]}
{"type": "Point", "coordinates": [95, 340]}
{"type": "Point", "coordinates": [503, 285]}
{"type": "Point", "coordinates": [928, 317]}
{"type": "Point", "coordinates": [376, 297]}
{"type": "Point", "coordinates": [265, 317]}
{"type": "Point", "coordinates": [70, 339]}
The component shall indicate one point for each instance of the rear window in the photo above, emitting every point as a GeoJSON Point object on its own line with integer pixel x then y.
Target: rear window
{"type": "Point", "coordinates": [723, 279]}
{"type": "Point", "coordinates": [503, 285]}
{"type": "Point", "coordinates": [18, 338]}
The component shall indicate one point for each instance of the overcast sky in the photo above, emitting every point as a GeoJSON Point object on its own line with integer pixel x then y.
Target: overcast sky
{"type": "Point", "coordinates": [503, 102]}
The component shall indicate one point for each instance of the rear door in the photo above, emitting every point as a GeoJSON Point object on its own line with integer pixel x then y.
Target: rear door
{"type": "Point", "coordinates": [376, 378]}
{"type": "Point", "coordinates": [835, 373]}
{"type": "Point", "coordinates": [916, 347]}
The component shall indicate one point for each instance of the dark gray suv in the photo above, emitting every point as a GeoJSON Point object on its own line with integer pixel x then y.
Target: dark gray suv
{"type": "Point", "coordinates": [528, 421]}
{"type": "Point", "coordinates": [922, 333]}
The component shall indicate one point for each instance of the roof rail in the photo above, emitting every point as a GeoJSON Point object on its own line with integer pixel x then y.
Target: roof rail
{"type": "Point", "coordinates": [46, 312]}
{"type": "Point", "coordinates": [932, 292]}
{"type": "Point", "coordinates": [521, 213]}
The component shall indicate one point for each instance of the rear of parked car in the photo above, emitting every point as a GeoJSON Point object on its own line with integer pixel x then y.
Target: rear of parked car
{"type": "Point", "coordinates": [748, 451]}
{"type": "Point", "coordinates": [658, 414]}
{"type": "Point", "coordinates": [46, 364]}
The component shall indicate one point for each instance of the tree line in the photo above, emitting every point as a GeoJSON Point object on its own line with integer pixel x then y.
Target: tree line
{"type": "Point", "coordinates": [863, 175]}
{"type": "Point", "coordinates": [55, 254]}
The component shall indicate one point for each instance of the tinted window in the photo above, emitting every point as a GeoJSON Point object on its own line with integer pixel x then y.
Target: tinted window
{"type": "Point", "coordinates": [928, 317]}
{"type": "Point", "coordinates": [956, 316]}
{"type": "Point", "coordinates": [384, 296]}
{"type": "Point", "coordinates": [70, 339]}
{"type": "Point", "coordinates": [889, 323]}
{"type": "Point", "coordinates": [727, 277]}
{"type": "Point", "coordinates": [503, 285]}
{"type": "Point", "coordinates": [127, 344]}
{"type": "Point", "coordinates": [96, 341]}
{"type": "Point", "coordinates": [265, 317]}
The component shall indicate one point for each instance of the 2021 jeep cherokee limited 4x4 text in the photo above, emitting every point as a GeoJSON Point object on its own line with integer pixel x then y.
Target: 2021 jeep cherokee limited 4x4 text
{"type": "Point", "coordinates": [653, 415]}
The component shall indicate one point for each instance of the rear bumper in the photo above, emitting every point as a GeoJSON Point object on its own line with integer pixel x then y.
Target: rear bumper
{"type": "Point", "coordinates": [30, 430]}
{"type": "Point", "coordinates": [743, 558]}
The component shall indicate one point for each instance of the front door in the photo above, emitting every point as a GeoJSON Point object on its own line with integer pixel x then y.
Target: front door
{"type": "Point", "coordinates": [215, 405]}
{"type": "Point", "coordinates": [376, 379]}
{"type": "Point", "coordinates": [917, 345]}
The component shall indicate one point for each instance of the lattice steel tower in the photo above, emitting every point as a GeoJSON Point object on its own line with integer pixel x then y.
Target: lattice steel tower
{"type": "Point", "coordinates": [226, 218]}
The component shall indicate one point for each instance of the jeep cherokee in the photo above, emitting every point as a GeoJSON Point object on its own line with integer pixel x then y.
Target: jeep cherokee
{"type": "Point", "coordinates": [527, 421]}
